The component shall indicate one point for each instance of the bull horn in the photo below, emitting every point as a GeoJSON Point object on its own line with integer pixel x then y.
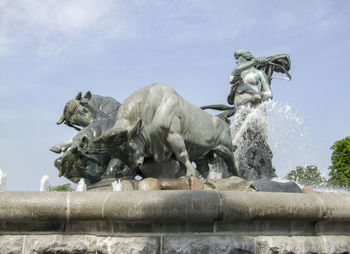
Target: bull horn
{"type": "Point", "coordinates": [61, 119]}
{"type": "Point", "coordinates": [135, 129]}
{"type": "Point", "coordinates": [78, 97]}
{"type": "Point", "coordinates": [87, 96]}
{"type": "Point", "coordinates": [61, 172]}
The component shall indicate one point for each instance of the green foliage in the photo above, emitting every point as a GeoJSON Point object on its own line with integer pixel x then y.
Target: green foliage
{"type": "Point", "coordinates": [340, 169]}
{"type": "Point", "coordinates": [64, 187]}
{"type": "Point", "coordinates": [309, 175]}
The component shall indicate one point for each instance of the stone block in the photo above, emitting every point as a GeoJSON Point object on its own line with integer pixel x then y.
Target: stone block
{"type": "Point", "coordinates": [233, 183]}
{"type": "Point", "coordinates": [242, 205]}
{"type": "Point", "coordinates": [302, 244]}
{"type": "Point", "coordinates": [132, 227]}
{"type": "Point", "coordinates": [149, 183]}
{"type": "Point", "coordinates": [28, 206]}
{"type": "Point", "coordinates": [89, 227]}
{"type": "Point", "coordinates": [196, 184]}
{"type": "Point", "coordinates": [86, 205]}
{"type": "Point", "coordinates": [307, 189]}
{"type": "Point", "coordinates": [174, 184]}
{"type": "Point", "coordinates": [128, 185]}
{"type": "Point", "coordinates": [266, 227]}
{"type": "Point", "coordinates": [163, 205]}
{"type": "Point", "coordinates": [11, 244]}
{"type": "Point", "coordinates": [48, 244]}
{"type": "Point", "coordinates": [332, 227]}
{"type": "Point", "coordinates": [207, 244]}
{"type": "Point", "coordinates": [126, 245]}
{"type": "Point", "coordinates": [183, 227]}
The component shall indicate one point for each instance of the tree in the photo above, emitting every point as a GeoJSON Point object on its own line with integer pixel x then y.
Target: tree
{"type": "Point", "coordinates": [339, 174]}
{"type": "Point", "coordinates": [64, 187]}
{"type": "Point", "coordinates": [309, 175]}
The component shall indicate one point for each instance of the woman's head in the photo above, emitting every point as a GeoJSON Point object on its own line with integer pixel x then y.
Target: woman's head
{"type": "Point", "coordinates": [246, 54]}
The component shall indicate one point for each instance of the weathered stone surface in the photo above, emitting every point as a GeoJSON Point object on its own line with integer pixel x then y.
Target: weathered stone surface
{"type": "Point", "coordinates": [207, 244]}
{"type": "Point", "coordinates": [103, 185]}
{"type": "Point", "coordinates": [128, 245]}
{"type": "Point", "coordinates": [25, 212]}
{"type": "Point", "coordinates": [175, 243]}
{"type": "Point", "coordinates": [332, 227]}
{"type": "Point", "coordinates": [11, 244]}
{"type": "Point", "coordinates": [26, 206]}
{"type": "Point", "coordinates": [52, 244]}
{"type": "Point", "coordinates": [307, 189]}
{"type": "Point", "coordinates": [242, 205]}
{"type": "Point", "coordinates": [149, 184]}
{"type": "Point", "coordinates": [162, 206]}
{"type": "Point", "coordinates": [233, 183]}
{"type": "Point", "coordinates": [302, 244]}
{"type": "Point", "coordinates": [88, 227]}
{"type": "Point", "coordinates": [106, 185]}
{"type": "Point", "coordinates": [195, 183]}
{"type": "Point", "coordinates": [266, 227]}
{"type": "Point", "coordinates": [268, 185]}
{"type": "Point", "coordinates": [128, 185]}
{"type": "Point", "coordinates": [174, 184]}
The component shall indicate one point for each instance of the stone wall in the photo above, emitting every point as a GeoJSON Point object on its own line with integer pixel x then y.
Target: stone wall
{"type": "Point", "coordinates": [189, 244]}
{"type": "Point", "coordinates": [174, 222]}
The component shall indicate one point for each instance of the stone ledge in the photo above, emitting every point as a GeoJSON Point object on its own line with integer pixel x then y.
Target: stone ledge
{"type": "Point", "coordinates": [179, 211]}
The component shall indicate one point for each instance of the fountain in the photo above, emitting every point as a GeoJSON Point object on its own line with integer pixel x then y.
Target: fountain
{"type": "Point", "coordinates": [116, 185]}
{"type": "Point", "coordinates": [135, 202]}
{"type": "Point", "coordinates": [2, 181]}
{"type": "Point", "coordinates": [44, 183]}
{"type": "Point", "coordinates": [81, 186]}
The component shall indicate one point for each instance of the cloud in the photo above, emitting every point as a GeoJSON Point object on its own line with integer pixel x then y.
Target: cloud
{"type": "Point", "coordinates": [50, 25]}
{"type": "Point", "coordinates": [70, 17]}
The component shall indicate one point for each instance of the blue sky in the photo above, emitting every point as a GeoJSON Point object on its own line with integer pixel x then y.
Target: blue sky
{"type": "Point", "coordinates": [50, 50]}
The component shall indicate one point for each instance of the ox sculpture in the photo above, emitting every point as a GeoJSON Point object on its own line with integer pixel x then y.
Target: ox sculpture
{"type": "Point", "coordinates": [95, 114]}
{"type": "Point", "coordinates": [157, 123]}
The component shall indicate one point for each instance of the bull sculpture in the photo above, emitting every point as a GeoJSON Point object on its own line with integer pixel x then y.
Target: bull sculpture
{"type": "Point", "coordinates": [96, 114]}
{"type": "Point", "coordinates": [84, 110]}
{"type": "Point", "coordinates": [158, 124]}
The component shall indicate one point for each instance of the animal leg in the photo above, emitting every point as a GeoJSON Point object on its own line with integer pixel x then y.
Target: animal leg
{"type": "Point", "coordinates": [227, 155]}
{"type": "Point", "coordinates": [177, 145]}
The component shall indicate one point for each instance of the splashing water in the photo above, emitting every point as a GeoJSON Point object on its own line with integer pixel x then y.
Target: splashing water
{"type": "Point", "coordinates": [287, 135]}
{"type": "Point", "coordinates": [81, 185]}
{"type": "Point", "coordinates": [2, 181]}
{"type": "Point", "coordinates": [44, 183]}
{"type": "Point", "coordinates": [289, 139]}
{"type": "Point", "coordinates": [117, 186]}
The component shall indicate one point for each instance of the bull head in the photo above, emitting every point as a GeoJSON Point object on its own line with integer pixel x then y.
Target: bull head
{"type": "Point", "coordinates": [124, 144]}
{"type": "Point", "coordinates": [117, 136]}
{"type": "Point", "coordinates": [68, 107]}
{"type": "Point", "coordinates": [113, 137]}
{"type": "Point", "coordinates": [72, 113]}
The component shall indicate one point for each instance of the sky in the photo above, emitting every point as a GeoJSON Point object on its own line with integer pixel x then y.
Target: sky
{"type": "Point", "coordinates": [52, 49]}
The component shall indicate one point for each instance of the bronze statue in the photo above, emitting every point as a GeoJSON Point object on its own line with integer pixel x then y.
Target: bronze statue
{"type": "Point", "coordinates": [157, 123]}
{"type": "Point", "coordinates": [251, 86]}
{"type": "Point", "coordinates": [251, 78]}
{"type": "Point", "coordinates": [95, 114]}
